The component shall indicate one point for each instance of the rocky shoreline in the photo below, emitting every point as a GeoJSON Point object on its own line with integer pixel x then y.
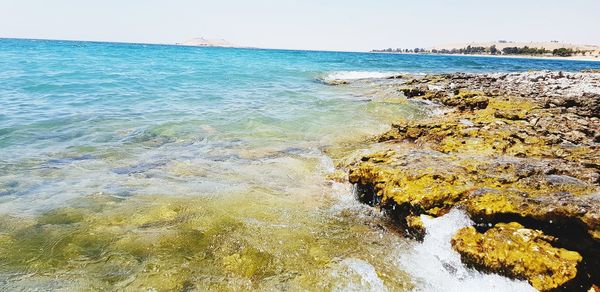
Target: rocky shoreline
{"type": "Point", "coordinates": [519, 152]}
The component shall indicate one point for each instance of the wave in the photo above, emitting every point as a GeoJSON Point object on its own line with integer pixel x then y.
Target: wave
{"type": "Point", "coordinates": [435, 266]}
{"type": "Point", "coordinates": [340, 77]}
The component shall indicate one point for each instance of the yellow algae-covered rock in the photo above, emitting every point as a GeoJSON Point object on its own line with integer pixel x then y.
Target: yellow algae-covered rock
{"type": "Point", "coordinates": [506, 125]}
{"type": "Point", "coordinates": [337, 176]}
{"type": "Point", "coordinates": [480, 131]}
{"type": "Point", "coordinates": [423, 184]}
{"type": "Point", "coordinates": [507, 108]}
{"type": "Point", "coordinates": [429, 182]}
{"type": "Point", "coordinates": [553, 210]}
{"type": "Point", "coordinates": [500, 153]}
{"type": "Point", "coordinates": [515, 251]}
{"type": "Point", "coordinates": [415, 227]}
{"type": "Point", "coordinates": [465, 100]}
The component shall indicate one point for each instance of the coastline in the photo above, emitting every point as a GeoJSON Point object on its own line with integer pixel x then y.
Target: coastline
{"type": "Point", "coordinates": [531, 57]}
{"type": "Point", "coordinates": [571, 58]}
{"type": "Point", "coordinates": [518, 152]}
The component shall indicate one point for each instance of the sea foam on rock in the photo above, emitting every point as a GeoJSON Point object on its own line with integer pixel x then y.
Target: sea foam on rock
{"type": "Point", "coordinates": [435, 266]}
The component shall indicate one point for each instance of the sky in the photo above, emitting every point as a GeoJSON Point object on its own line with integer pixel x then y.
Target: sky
{"type": "Point", "coordinates": [344, 25]}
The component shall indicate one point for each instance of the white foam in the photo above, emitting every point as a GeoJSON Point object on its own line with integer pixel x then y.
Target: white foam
{"type": "Point", "coordinates": [357, 275]}
{"type": "Point", "coordinates": [357, 75]}
{"type": "Point", "coordinates": [435, 266]}
{"type": "Point", "coordinates": [327, 163]}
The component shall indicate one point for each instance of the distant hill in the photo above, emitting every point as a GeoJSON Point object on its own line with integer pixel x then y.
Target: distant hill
{"type": "Point", "coordinates": [204, 42]}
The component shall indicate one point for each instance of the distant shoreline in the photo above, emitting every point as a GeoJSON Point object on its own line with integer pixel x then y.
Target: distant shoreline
{"type": "Point", "coordinates": [571, 58]}
{"type": "Point", "coordinates": [548, 50]}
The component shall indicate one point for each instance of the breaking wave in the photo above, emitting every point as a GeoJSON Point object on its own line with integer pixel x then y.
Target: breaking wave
{"type": "Point", "coordinates": [435, 266]}
{"type": "Point", "coordinates": [348, 76]}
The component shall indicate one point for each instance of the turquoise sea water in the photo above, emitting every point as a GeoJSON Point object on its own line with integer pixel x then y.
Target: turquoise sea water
{"type": "Point", "coordinates": [107, 151]}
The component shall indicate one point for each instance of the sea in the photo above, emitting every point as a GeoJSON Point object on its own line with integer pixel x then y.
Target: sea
{"type": "Point", "coordinates": [161, 168]}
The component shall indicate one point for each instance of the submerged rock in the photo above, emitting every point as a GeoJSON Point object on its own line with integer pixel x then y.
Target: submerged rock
{"type": "Point", "coordinates": [515, 251]}
{"type": "Point", "coordinates": [412, 92]}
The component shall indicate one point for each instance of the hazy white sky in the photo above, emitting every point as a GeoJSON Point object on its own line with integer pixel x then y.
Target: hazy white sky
{"type": "Point", "coordinates": [306, 24]}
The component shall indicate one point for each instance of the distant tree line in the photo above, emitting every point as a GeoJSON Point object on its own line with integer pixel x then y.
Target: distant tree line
{"type": "Point", "coordinates": [464, 51]}
{"type": "Point", "coordinates": [564, 52]}
{"type": "Point", "coordinates": [469, 50]}
{"type": "Point", "coordinates": [390, 50]}
{"type": "Point", "coordinates": [524, 51]}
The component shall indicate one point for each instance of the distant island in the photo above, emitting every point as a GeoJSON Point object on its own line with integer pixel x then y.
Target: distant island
{"type": "Point", "coordinates": [205, 42]}
{"type": "Point", "coordinates": [509, 48]}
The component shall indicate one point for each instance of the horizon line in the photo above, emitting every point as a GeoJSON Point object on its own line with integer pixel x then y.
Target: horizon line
{"type": "Point", "coordinates": [279, 49]}
{"type": "Point", "coordinates": [179, 45]}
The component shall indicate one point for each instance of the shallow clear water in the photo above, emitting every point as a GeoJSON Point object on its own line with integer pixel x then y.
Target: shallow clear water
{"type": "Point", "coordinates": [143, 166]}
